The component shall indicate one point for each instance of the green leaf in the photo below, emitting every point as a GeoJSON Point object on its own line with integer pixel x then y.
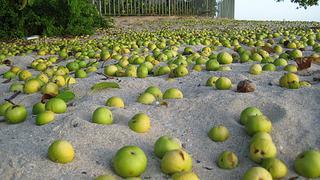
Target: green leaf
{"type": "Point", "coordinates": [66, 96]}
{"type": "Point", "coordinates": [104, 85]}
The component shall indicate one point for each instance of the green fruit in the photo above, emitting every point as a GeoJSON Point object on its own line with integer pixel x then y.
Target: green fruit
{"type": "Point", "coordinates": [262, 149]}
{"type": "Point", "coordinates": [256, 57]}
{"type": "Point", "coordinates": [175, 161]}
{"type": "Point", "coordinates": [110, 70]}
{"type": "Point", "coordinates": [218, 134]}
{"type": "Point", "coordinates": [225, 58]}
{"type": "Point", "coordinates": [155, 91]}
{"type": "Point", "coordinates": [307, 164]}
{"type": "Point", "coordinates": [73, 66]}
{"type": "Point", "coordinates": [165, 144]}
{"type": "Point", "coordinates": [56, 105]}
{"type": "Point", "coordinates": [291, 68]}
{"type": "Point", "coordinates": [246, 113]}
{"type": "Point", "coordinates": [3, 107]}
{"type": "Point", "coordinates": [257, 173]}
{"type": "Point", "coordinates": [131, 71]}
{"type": "Point", "coordinates": [105, 177]}
{"type": "Point", "coordinates": [227, 160]}
{"type": "Point", "coordinates": [276, 167]}
{"type": "Point", "coordinates": [81, 73]}
{"type": "Point", "coordinates": [255, 69]}
{"type": "Point", "coordinates": [223, 83]}
{"type": "Point", "coordinates": [296, 54]}
{"type": "Point", "coordinates": [142, 71]}
{"type": "Point", "coordinates": [115, 101]}
{"type": "Point", "coordinates": [146, 98]}
{"type": "Point", "coordinates": [129, 161]}
{"type": "Point", "coordinates": [212, 65]}
{"type": "Point", "coordinates": [38, 108]}
{"type": "Point", "coordinates": [261, 135]}
{"type": "Point", "coordinates": [288, 78]}
{"type": "Point", "coordinates": [102, 115]}
{"type": "Point", "coordinates": [31, 86]}
{"type": "Point", "coordinates": [16, 114]}
{"type": "Point", "coordinates": [44, 118]}
{"type": "Point", "coordinates": [305, 84]}
{"type": "Point", "coordinates": [180, 71]}
{"type": "Point", "coordinates": [294, 85]}
{"type": "Point", "coordinates": [280, 62]}
{"type": "Point", "coordinates": [187, 175]}
{"type": "Point", "coordinates": [269, 67]}
{"type": "Point", "coordinates": [259, 123]}
{"type": "Point", "coordinates": [50, 88]}
{"type": "Point", "coordinates": [61, 151]}
{"type": "Point", "coordinates": [172, 93]}
{"type": "Point", "coordinates": [211, 81]}
{"type": "Point", "coordinates": [16, 87]}
{"type": "Point", "coordinates": [91, 69]}
{"type": "Point", "coordinates": [139, 123]}
{"type": "Point", "coordinates": [43, 78]}
{"type": "Point", "coordinates": [162, 70]}
{"type": "Point", "coordinates": [24, 75]}
{"type": "Point", "coordinates": [9, 75]}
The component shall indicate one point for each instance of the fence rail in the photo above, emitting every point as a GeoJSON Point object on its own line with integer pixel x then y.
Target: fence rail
{"type": "Point", "coordinates": [156, 7]}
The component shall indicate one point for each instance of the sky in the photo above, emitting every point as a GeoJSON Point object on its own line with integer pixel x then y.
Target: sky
{"type": "Point", "coordinates": [272, 10]}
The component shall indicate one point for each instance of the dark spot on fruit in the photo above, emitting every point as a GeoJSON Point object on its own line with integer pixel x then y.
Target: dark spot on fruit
{"type": "Point", "coordinates": [256, 151]}
{"type": "Point", "coordinates": [182, 155]}
{"type": "Point", "coordinates": [132, 153]}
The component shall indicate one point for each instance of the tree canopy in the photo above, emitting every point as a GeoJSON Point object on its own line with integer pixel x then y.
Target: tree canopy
{"type": "Point", "coordinates": [305, 3]}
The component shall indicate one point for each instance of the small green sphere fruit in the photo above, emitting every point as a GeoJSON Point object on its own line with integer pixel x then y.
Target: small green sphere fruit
{"type": "Point", "coordinates": [225, 58]}
{"type": "Point", "coordinates": [296, 54]}
{"type": "Point", "coordinates": [211, 81]}
{"type": "Point", "coordinates": [165, 144]}
{"type": "Point", "coordinates": [9, 75]}
{"type": "Point", "coordinates": [155, 91]}
{"type": "Point", "coordinates": [294, 85]}
{"type": "Point", "coordinates": [212, 65]}
{"type": "Point", "coordinates": [142, 71]}
{"type": "Point", "coordinates": [246, 113]}
{"type": "Point", "coordinates": [115, 101]}
{"type": "Point", "coordinates": [269, 67]}
{"type": "Point", "coordinates": [44, 118]}
{"type": "Point", "coordinates": [38, 108]}
{"type": "Point", "coordinates": [261, 149]}
{"type": "Point", "coordinates": [131, 71]}
{"type": "Point", "coordinates": [227, 160]}
{"type": "Point", "coordinates": [180, 71]}
{"type": "Point", "coordinates": [223, 83]}
{"type": "Point", "coordinates": [24, 75]}
{"type": "Point", "coordinates": [3, 107]}
{"type": "Point", "coordinates": [162, 70]}
{"type": "Point", "coordinates": [110, 70]}
{"type": "Point", "coordinates": [146, 98]}
{"type": "Point", "coordinates": [73, 66]}
{"type": "Point", "coordinates": [257, 173]}
{"type": "Point", "coordinates": [105, 177]}
{"type": "Point", "coordinates": [307, 164]}
{"type": "Point", "coordinates": [50, 88]}
{"type": "Point", "coordinates": [255, 69]}
{"type": "Point", "coordinates": [224, 68]}
{"type": "Point", "coordinates": [16, 114]}
{"type": "Point", "coordinates": [288, 78]}
{"type": "Point", "coordinates": [129, 161]}
{"type": "Point", "coordinates": [218, 133]}
{"type": "Point", "coordinates": [280, 62]}
{"type": "Point", "coordinates": [176, 161]}
{"type": "Point", "coordinates": [276, 167]}
{"type": "Point", "coordinates": [61, 151]}
{"type": "Point", "coordinates": [173, 93]}
{"type": "Point", "coordinates": [261, 135]}
{"type": "Point", "coordinates": [56, 105]}
{"type": "Point", "coordinates": [102, 115]}
{"type": "Point", "coordinates": [291, 68]}
{"type": "Point", "coordinates": [305, 84]}
{"type": "Point", "coordinates": [197, 67]}
{"type": "Point", "coordinates": [80, 73]}
{"type": "Point", "coordinates": [186, 175]}
{"type": "Point", "coordinates": [16, 87]}
{"type": "Point", "coordinates": [256, 57]}
{"type": "Point", "coordinates": [259, 123]}
{"type": "Point", "coordinates": [31, 86]}
{"type": "Point", "coordinates": [140, 123]}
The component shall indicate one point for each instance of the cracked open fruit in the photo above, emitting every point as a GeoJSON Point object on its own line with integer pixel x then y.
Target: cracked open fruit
{"type": "Point", "coordinates": [176, 161]}
{"type": "Point", "coordinates": [227, 160]}
{"type": "Point", "coordinates": [262, 149]}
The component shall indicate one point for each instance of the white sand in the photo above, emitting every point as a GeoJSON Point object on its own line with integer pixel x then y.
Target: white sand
{"type": "Point", "coordinates": [294, 113]}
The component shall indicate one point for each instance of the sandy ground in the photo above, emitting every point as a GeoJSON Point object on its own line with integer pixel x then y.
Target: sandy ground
{"type": "Point", "coordinates": [294, 114]}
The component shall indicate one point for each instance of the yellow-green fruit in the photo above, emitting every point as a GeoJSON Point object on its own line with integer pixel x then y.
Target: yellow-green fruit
{"type": "Point", "coordinates": [56, 105]}
{"type": "Point", "coordinates": [142, 71]}
{"type": "Point", "coordinates": [38, 108]}
{"type": "Point", "coordinates": [276, 167]}
{"type": "Point", "coordinates": [3, 107]}
{"type": "Point", "coordinates": [61, 151]}
{"type": "Point", "coordinates": [246, 113]}
{"type": "Point", "coordinates": [227, 160]}
{"type": "Point", "coordinates": [307, 164]}
{"type": "Point", "coordinates": [225, 58]}
{"type": "Point", "coordinates": [223, 83]}
{"type": "Point", "coordinates": [44, 118]}
{"type": "Point", "coordinates": [105, 177]}
{"type": "Point", "coordinates": [15, 69]}
{"type": "Point", "coordinates": [146, 98]}
{"type": "Point", "coordinates": [24, 75]}
{"type": "Point", "coordinates": [115, 101]}
{"type": "Point", "coordinates": [16, 87]}
{"type": "Point", "coordinates": [131, 71]}
{"type": "Point", "coordinates": [173, 93]}
{"type": "Point", "coordinates": [31, 86]}
{"type": "Point", "coordinates": [16, 114]}
{"type": "Point", "coordinates": [59, 80]}
{"type": "Point", "coordinates": [305, 84]}
{"type": "Point", "coordinates": [50, 88]}
{"type": "Point", "coordinates": [110, 70]}
{"type": "Point", "coordinates": [102, 115]}
{"type": "Point", "coordinates": [255, 69]}
{"type": "Point", "coordinates": [155, 91]}
{"type": "Point", "coordinates": [291, 68]}
{"type": "Point", "coordinates": [70, 80]}
{"type": "Point", "coordinates": [259, 123]}
{"type": "Point", "coordinates": [176, 161]}
{"type": "Point", "coordinates": [218, 134]}
{"type": "Point", "coordinates": [164, 144]}
{"type": "Point", "coordinates": [288, 78]}
{"type": "Point", "coordinates": [262, 149]}
{"type": "Point", "coordinates": [211, 81]}
{"type": "Point", "coordinates": [42, 77]}
{"type": "Point", "coordinates": [261, 135]}
{"type": "Point", "coordinates": [180, 71]}
{"type": "Point", "coordinates": [197, 67]}
{"type": "Point", "coordinates": [257, 173]}
{"type": "Point", "coordinates": [139, 123]}
{"type": "Point", "coordinates": [187, 175]}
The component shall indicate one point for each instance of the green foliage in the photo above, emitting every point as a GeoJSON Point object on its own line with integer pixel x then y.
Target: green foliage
{"type": "Point", "coordinates": [305, 3]}
{"type": "Point", "coordinates": [48, 17]}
